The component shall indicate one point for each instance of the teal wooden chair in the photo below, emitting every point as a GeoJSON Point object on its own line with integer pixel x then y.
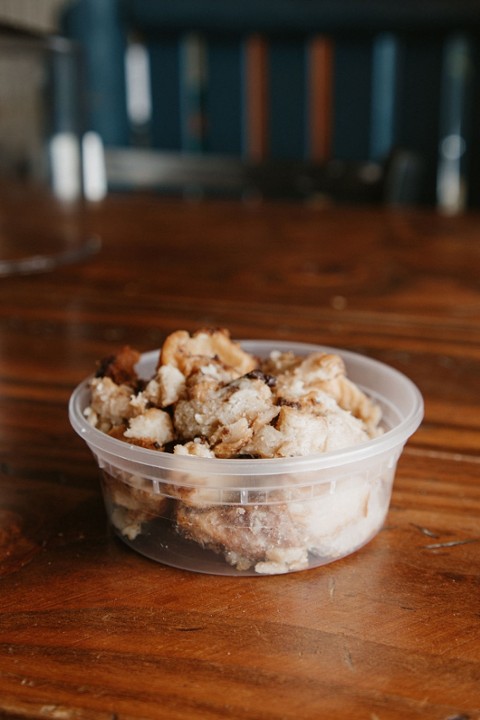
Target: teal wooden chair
{"type": "Point", "coordinates": [360, 100]}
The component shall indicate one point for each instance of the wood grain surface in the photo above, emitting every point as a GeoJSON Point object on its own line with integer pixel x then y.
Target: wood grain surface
{"type": "Point", "coordinates": [91, 630]}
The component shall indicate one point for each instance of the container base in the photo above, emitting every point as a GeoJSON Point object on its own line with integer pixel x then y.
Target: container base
{"type": "Point", "coordinates": [158, 542]}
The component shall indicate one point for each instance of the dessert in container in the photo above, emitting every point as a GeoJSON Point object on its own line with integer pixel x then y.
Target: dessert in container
{"type": "Point", "coordinates": [255, 516]}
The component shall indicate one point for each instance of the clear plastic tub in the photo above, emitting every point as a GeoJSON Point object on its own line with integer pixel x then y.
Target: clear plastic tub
{"type": "Point", "coordinates": [256, 516]}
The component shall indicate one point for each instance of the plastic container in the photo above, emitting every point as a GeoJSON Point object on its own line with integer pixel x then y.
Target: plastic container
{"type": "Point", "coordinates": [256, 516]}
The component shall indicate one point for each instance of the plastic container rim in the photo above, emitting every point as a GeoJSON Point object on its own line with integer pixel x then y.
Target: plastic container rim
{"type": "Point", "coordinates": [392, 438]}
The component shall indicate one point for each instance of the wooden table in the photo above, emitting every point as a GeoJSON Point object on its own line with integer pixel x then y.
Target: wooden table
{"type": "Point", "coordinates": [91, 630]}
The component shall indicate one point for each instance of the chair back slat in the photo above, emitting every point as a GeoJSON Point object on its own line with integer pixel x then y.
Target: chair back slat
{"type": "Point", "coordinates": [255, 110]}
{"type": "Point", "coordinates": [352, 98]}
{"type": "Point", "coordinates": [320, 80]}
{"type": "Point", "coordinates": [386, 51]}
{"type": "Point", "coordinates": [288, 98]}
{"type": "Point", "coordinates": [98, 27]}
{"type": "Point", "coordinates": [224, 99]}
{"type": "Point", "coordinates": [166, 122]}
{"type": "Point", "coordinates": [418, 106]}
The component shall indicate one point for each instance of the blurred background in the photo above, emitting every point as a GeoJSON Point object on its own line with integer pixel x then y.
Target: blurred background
{"type": "Point", "coordinates": [366, 99]}
{"type": "Point", "coordinates": [16, 114]}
